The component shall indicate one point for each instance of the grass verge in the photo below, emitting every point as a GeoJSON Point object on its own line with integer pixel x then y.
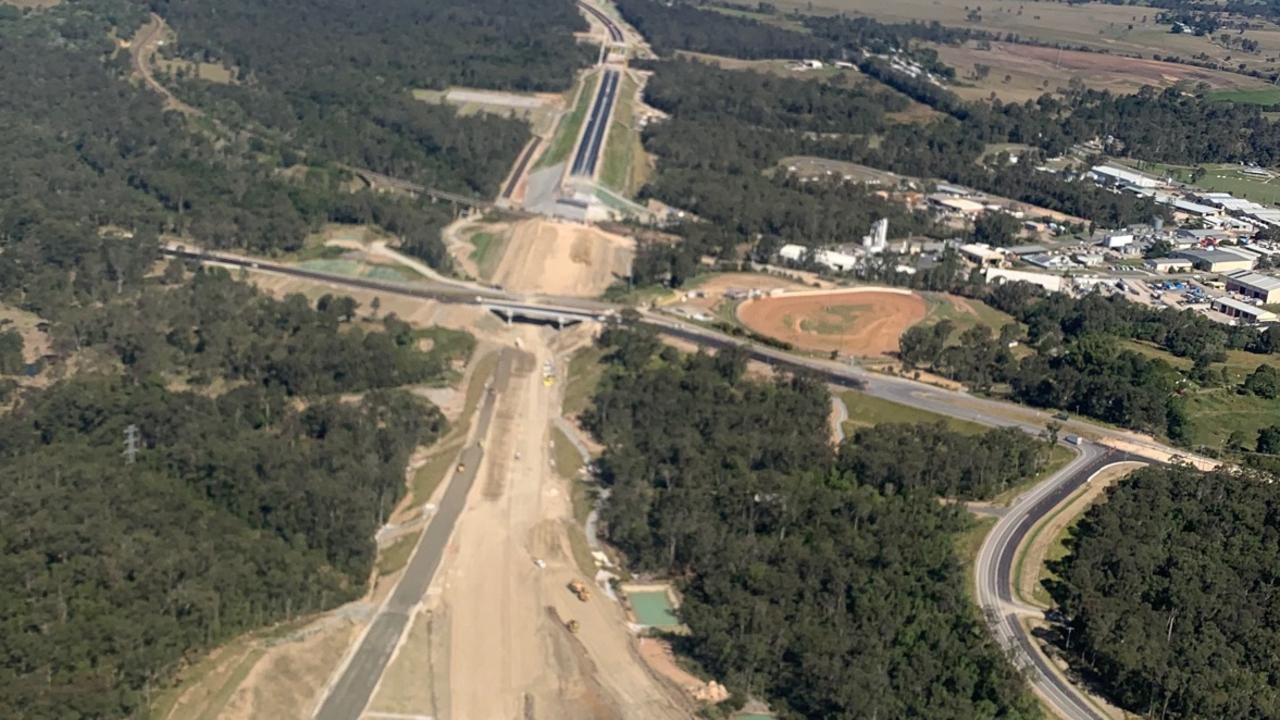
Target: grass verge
{"type": "Point", "coordinates": [396, 555]}
{"type": "Point", "coordinates": [566, 457]}
{"type": "Point", "coordinates": [567, 131]}
{"type": "Point", "coordinates": [866, 411]}
{"type": "Point", "coordinates": [969, 543]}
{"type": "Point", "coordinates": [620, 147]}
{"type": "Point", "coordinates": [1020, 560]}
{"type": "Point", "coordinates": [586, 368]}
{"type": "Point", "coordinates": [488, 251]}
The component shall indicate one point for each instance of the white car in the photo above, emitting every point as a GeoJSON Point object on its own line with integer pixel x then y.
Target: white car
{"type": "Point", "coordinates": [540, 563]}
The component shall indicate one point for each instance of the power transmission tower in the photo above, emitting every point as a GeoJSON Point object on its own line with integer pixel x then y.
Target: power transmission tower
{"type": "Point", "coordinates": [130, 444]}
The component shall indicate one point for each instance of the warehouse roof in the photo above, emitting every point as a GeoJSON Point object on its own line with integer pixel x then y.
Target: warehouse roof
{"type": "Point", "coordinates": [1255, 280]}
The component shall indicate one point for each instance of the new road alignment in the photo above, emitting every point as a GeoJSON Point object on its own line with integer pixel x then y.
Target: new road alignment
{"type": "Point", "coordinates": [1028, 508]}
{"type": "Point", "coordinates": [588, 155]}
{"type": "Point", "coordinates": [350, 693]}
{"type": "Point", "coordinates": [615, 34]}
{"type": "Point", "coordinates": [995, 572]}
{"type": "Point", "coordinates": [521, 163]}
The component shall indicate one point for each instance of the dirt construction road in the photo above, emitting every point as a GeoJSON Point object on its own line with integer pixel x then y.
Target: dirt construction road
{"type": "Point", "coordinates": [508, 652]}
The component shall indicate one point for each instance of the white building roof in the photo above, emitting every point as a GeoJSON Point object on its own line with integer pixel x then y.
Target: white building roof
{"type": "Point", "coordinates": [1123, 175]}
{"type": "Point", "coordinates": [1243, 308]}
{"type": "Point", "coordinates": [1189, 207]}
{"type": "Point", "coordinates": [980, 250]}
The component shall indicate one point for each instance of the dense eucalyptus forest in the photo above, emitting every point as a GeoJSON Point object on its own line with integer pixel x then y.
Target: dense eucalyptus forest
{"type": "Point", "coordinates": [336, 82]}
{"type": "Point", "coordinates": [1170, 594]}
{"type": "Point", "coordinates": [824, 581]}
{"type": "Point", "coordinates": [272, 433]}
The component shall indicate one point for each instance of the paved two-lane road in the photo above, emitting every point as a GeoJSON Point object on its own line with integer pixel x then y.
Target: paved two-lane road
{"type": "Point", "coordinates": [995, 573]}
{"type": "Point", "coordinates": [350, 693]}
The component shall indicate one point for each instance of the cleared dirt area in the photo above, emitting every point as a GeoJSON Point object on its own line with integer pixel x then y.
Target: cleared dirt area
{"type": "Point", "coordinates": [274, 674]}
{"type": "Point", "coordinates": [709, 292]}
{"type": "Point", "coordinates": [860, 321]}
{"type": "Point", "coordinates": [1033, 71]}
{"type": "Point", "coordinates": [560, 258]}
{"type": "Point", "coordinates": [35, 343]}
{"type": "Point", "coordinates": [509, 654]}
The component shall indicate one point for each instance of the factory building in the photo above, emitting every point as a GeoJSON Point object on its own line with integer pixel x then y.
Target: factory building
{"type": "Point", "coordinates": [1265, 288]}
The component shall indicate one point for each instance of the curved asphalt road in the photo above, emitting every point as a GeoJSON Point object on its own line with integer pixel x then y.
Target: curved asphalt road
{"type": "Point", "coordinates": [350, 692]}
{"type": "Point", "coordinates": [995, 571]}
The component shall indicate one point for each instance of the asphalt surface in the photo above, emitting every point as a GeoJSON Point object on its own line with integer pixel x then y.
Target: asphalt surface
{"type": "Point", "coordinates": [615, 34]}
{"type": "Point", "coordinates": [995, 576]}
{"type": "Point", "coordinates": [520, 166]}
{"type": "Point", "coordinates": [588, 154]}
{"type": "Point", "coordinates": [350, 693]}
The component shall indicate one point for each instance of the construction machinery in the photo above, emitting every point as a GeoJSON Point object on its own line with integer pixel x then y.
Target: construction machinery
{"type": "Point", "coordinates": [579, 588]}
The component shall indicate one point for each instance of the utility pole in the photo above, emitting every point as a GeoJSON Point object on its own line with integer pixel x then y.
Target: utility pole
{"type": "Point", "coordinates": [130, 444]}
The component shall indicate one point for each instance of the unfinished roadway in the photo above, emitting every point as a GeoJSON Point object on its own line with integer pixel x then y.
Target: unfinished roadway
{"type": "Point", "coordinates": [994, 587]}
{"type": "Point", "coordinates": [351, 689]}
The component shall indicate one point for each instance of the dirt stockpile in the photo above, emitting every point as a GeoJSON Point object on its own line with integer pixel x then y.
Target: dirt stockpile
{"type": "Point", "coordinates": [563, 259]}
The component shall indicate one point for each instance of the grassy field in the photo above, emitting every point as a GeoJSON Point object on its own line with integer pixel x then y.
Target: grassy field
{"type": "Point", "coordinates": [396, 555]}
{"type": "Point", "coordinates": [1117, 29]}
{"type": "Point", "coordinates": [567, 131]}
{"type": "Point", "coordinates": [1217, 178]}
{"type": "Point", "coordinates": [488, 251]}
{"type": "Point", "coordinates": [964, 313]}
{"type": "Point", "coordinates": [774, 19]}
{"type": "Point", "coordinates": [209, 72]}
{"type": "Point", "coordinates": [1218, 412]}
{"type": "Point", "coordinates": [1021, 72]}
{"type": "Point", "coordinates": [1269, 95]}
{"type": "Point", "coordinates": [454, 345]}
{"type": "Point", "coordinates": [865, 411]}
{"type": "Point", "coordinates": [620, 149]}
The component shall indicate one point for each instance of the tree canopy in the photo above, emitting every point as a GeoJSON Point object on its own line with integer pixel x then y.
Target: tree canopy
{"type": "Point", "coordinates": [801, 581]}
{"type": "Point", "coordinates": [1169, 589]}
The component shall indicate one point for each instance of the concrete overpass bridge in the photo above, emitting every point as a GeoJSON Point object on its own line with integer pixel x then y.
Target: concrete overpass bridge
{"type": "Point", "coordinates": [552, 314]}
